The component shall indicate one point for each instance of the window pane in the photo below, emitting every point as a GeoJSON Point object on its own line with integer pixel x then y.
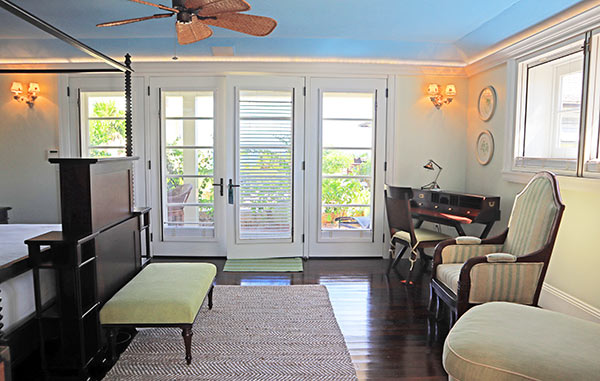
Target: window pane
{"type": "Point", "coordinates": [348, 105]}
{"type": "Point", "coordinates": [346, 162]}
{"type": "Point", "coordinates": [346, 191]}
{"type": "Point", "coordinates": [100, 106]}
{"type": "Point", "coordinates": [265, 164]}
{"type": "Point", "coordinates": [189, 104]}
{"type": "Point", "coordinates": [182, 190]}
{"type": "Point", "coordinates": [189, 161]}
{"type": "Point", "coordinates": [197, 132]}
{"type": "Point", "coordinates": [554, 108]}
{"type": "Point", "coordinates": [107, 132]}
{"type": "Point", "coordinates": [347, 133]}
{"type": "Point", "coordinates": [346, 218]}
{"type": "Point", "coordinates": [196, 216]}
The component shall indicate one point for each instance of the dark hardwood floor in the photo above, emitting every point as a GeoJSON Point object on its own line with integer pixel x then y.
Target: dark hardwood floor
{"type": "Point", "coordinates": [386, 324]}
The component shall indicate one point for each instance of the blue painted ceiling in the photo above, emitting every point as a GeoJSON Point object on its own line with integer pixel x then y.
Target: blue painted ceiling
{"type": "Point", "coordinates": [418, 30]}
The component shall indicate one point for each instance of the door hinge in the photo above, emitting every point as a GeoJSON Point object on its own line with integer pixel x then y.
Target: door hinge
{"type": "Point", "coordinates": [387, 93]}
{"type": "Point", "coordinates": [68, 91]}
{"type": "Point", "coordinates": [149, 164]}
{"type": "Point", "coordinates": [303, 165]}
{"type": "Point", "coordinates": [302, 238]}
{"type": "Point", "coordinates": [385, 166]}
{"type": "Point", "coordinates": [383, 238]}
{"type": "Point", "coordinates": [148, 90]}
{"type": "Point", "coordinates": [151, 237]}
{"type": "Point", "coordinates": [304, 91]}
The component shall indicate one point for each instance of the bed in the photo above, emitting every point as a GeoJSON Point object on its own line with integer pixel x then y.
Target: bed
{"type": "Point", "coordinates": [16, 280]}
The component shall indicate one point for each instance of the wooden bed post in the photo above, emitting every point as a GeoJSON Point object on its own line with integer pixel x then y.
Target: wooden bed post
{"type": "Point", "coordinates": [128, 104]}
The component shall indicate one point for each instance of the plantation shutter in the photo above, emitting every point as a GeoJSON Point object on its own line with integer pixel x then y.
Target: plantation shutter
{"type": "Point", "coordinates": [265, 165]}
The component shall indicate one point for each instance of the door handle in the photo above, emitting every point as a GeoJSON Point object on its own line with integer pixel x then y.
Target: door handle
{"type": "Point", "coordinates": [220, 184]}
{"type": "Point", "coordinates": [230, 187]}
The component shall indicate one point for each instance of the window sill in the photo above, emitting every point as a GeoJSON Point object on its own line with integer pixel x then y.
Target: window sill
{"type": "Point", "coordinates": [565, 182]}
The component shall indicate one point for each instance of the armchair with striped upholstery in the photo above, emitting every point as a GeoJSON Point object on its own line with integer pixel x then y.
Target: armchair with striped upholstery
{"type": "Point", "coordinates": [510, 267]}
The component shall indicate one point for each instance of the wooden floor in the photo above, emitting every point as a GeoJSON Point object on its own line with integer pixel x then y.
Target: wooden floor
{"type": "Point", "coordinates": [386, 325]}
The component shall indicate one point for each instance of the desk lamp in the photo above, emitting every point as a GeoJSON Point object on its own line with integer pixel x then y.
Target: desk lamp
{"type": "Point", "coordinates": [430, 166]}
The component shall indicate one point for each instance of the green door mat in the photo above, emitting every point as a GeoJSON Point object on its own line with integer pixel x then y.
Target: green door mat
{"type": "Point", "coordinates": [280, 265]}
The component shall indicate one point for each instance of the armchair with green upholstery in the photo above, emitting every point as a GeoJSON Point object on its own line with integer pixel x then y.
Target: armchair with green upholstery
{"type": "Point", "coordinates": [510, 267]}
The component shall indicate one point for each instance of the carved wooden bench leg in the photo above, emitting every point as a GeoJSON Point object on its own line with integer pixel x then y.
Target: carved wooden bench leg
{"type": "Point", "coordinates": [187, 339]}
{"type": "Point", "coordinates": [210, 296]}
{"type": "Point", "coordinates": [111, 334]}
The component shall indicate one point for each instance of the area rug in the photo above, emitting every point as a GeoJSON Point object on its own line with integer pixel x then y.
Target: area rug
{"type": "Point", "coordinates": [280, 265]}
{"type": "Point", "coordinates": [252, 333]}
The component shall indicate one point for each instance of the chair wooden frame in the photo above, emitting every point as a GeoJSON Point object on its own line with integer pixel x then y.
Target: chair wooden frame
{"type": "Point", "coordinates": [398, 211]}
{"type": "Point", "coordinates": [459, 303]}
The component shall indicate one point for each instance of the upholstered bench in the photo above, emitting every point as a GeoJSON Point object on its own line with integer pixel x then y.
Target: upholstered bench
{"type": "Point", "coordinates": [161, 295]}
{"type": "Point", "coordinates": [506, 341]}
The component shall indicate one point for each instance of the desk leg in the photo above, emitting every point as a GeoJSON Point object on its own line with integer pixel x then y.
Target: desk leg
{"type": "Point", "coordinates": [486, 230]}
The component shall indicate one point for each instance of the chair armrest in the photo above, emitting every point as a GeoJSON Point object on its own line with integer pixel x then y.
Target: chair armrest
{"type": "Point", "coordinates": [468, 240]}
{"type": "Point", "coordinates": [500, 258]}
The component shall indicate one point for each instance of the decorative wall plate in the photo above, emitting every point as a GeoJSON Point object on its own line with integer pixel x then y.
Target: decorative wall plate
{"type": "Point", "coordinates": [486, 105]}
{"type": "Point", "coordinates": [485, 147]}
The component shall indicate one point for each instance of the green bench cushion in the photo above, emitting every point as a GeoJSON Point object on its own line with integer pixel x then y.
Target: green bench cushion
{"type": "Point", "coordinates": [162, 293]}
{"type": "Point", "coordinates": [507, 341]}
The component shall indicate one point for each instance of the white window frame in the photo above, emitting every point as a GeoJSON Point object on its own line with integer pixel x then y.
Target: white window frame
{"type": "Point", "coordinates": [84, 123]}
{"type": "Point", "coordinates": [587, 164]}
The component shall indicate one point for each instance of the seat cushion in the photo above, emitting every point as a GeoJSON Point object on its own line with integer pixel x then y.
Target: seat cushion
{"type": "Point", "coordinates": [507, 341]}
{"type": "Point", "coordinates": [448, 274]}
{"type": "Point", "coordinates": [423, 235]}
{"type": "Point", "coordinates": [162, 293]}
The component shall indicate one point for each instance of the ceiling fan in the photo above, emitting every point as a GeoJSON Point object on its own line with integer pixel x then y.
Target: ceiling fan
{"type": "Point", "coordinates": [193, 16]}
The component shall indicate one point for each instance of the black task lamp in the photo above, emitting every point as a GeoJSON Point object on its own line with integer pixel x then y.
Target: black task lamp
{"type": "Point", "coordinates": [430, 166]}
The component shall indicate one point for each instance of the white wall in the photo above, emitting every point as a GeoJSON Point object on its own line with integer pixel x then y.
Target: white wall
{"type": "Point", "coordinates": [422, 132]}
{"type": "Point", "coordinates": [28, 182]}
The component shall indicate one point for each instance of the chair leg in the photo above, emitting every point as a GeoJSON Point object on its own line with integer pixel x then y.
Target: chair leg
{"type": "Point", "coordinates": [432, 298]}
{"type": "Point", "coordinates": [187, 340]}
{"type": "Point", "coordinates": [438, 308]}
{"type": "Point", "coordinates": [397, 259]}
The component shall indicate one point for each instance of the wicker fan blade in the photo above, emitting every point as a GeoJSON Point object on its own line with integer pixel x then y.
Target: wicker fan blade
{"type": "Point", "coordinates": [249, 24]}
{"type": "Point", "coordinates": [216, 7]}
{"type": "Point", "coordinates": [192, 32]}
{"type": "Point", "coordinates": [163, 7]}
{"type": "Point", "coordinates": [129, 21]}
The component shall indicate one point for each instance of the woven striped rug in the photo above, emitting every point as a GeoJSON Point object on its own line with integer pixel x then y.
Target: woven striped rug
{"type": "Point", "coordinates": [279, 265]}
{"type": "Point", "coordinates": [252, 333]}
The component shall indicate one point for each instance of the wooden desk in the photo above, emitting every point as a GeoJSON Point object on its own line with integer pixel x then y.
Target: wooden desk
{"type": "Point", "coordinates": [455, 209]}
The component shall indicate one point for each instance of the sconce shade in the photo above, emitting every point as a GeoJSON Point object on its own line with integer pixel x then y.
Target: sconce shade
{"type": "Point", "coordinates": [34, 88]}
{"type": "Point", "coordinates": [433, 89]}
{"type": "Point", "coordinates": [450, 90]}
{"type": "Point", "coordinates": [16, 87]}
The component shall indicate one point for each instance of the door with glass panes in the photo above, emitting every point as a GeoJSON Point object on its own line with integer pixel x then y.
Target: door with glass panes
{"type": "Point", "coordinates": [189, 171]}
{"type": "Point", "coordinates": [265, 180]}
{"type": "Point", "coordinates": [345, 167]}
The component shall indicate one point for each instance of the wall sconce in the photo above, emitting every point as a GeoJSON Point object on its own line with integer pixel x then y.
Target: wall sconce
{"type": "Point", "coordinates": [430, 166]}
{"type": "Point", "coordinates": [32, 92]}
{"type": "Point", "coordinates": [437, 97]}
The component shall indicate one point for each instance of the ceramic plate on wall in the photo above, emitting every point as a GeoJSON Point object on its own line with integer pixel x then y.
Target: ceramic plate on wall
{"type": "Point", "coordinates": [485, 147]}
{"type": "Point", "coordinates": [486, 105]}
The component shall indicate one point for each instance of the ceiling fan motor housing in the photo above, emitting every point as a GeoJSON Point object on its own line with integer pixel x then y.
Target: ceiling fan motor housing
{"type": "Point", "coordinates": [184, 17]}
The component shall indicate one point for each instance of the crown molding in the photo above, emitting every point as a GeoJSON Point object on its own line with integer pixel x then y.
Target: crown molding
{"type": "Point", "coordinates": [265, 65]}
{"type": "Point", "coordinates": [576, 20]}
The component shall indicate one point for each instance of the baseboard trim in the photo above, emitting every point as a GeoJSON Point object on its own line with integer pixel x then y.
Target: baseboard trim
{"type": "Point", "coordinates": [554, 299]}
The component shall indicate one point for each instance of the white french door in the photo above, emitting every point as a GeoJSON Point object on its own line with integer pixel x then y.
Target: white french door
{"type": "Point", "coordinates": [189, 212]}
{"type": "Point", "coordinates": [265, 182]}
{"type": "Point", "coordinates": [346, 155]}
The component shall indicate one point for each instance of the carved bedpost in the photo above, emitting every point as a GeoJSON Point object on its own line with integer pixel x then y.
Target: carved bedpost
{"type": "Point", "coordinates": [128, 104]}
